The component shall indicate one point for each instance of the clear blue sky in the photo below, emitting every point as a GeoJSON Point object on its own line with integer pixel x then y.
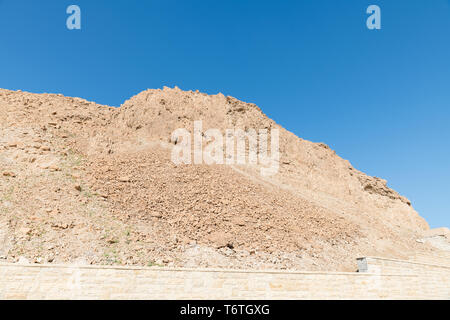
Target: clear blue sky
{"type": "Point", "coordinates": [380, 98]}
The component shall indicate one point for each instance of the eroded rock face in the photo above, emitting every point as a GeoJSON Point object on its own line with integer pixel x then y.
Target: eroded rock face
{"type": "Point", "coordinates": [97, 183]}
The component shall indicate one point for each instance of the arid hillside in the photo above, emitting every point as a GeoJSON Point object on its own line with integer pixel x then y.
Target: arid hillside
{"type": "Point", "coordinates": [87, 183]}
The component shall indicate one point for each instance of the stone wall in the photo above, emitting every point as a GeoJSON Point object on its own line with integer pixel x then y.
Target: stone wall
{"type": "Point", "coordinates": [435, 272]}
{"type": "Point", "coordinates": [394, 266]}
{"type": "Point", "coordinates": [383, 280]}
{"type": "Point", "coordinates": [443, 259]}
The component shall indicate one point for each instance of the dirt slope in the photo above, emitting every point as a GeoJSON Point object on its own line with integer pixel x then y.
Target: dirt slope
{"type": "Point", "coordinates": [82, 182]}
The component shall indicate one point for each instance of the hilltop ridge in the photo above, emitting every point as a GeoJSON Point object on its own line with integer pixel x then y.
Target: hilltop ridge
{"type": "Point", "coordinates": [88, 182]}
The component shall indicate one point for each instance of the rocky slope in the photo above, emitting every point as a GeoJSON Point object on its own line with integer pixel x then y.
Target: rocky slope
{"type": "Point", "coordinates": [82, 182]}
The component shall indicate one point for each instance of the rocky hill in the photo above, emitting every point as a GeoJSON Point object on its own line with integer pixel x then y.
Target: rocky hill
{"type": "Point", "coordinates": [87, 183]}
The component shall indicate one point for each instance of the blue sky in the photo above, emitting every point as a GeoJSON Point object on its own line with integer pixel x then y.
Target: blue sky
{"type": "Point", "coordinates": [380, 98]}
